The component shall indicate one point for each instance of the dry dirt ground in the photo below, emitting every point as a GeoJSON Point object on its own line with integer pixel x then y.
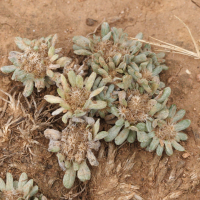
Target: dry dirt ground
{"type": "Point", "coordinates": [153, 178]}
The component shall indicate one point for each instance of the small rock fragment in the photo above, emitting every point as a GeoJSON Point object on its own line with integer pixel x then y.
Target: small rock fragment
{"type": "Point", "coordinates": [90, 22]}
{"type": "Point", "coordinates": [185, 155]}
{"type": "Point", "coordinates": [198, 77]}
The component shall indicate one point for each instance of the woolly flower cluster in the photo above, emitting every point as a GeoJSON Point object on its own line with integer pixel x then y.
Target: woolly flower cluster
{"type": "Point", "coordinates": [117, 83]}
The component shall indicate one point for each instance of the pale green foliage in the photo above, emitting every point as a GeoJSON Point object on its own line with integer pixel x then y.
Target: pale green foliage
{"type": "Point", "coordinates": [122, 61]}
{"type": "Point", "coordinates": [74, 145]}
{"type": "Point", "coordinates": [22, 189]}
{"type": "Point", "coordinates": [134, 108]}
{"type": "Point", "coordinates": [76, 97]}
{"type": "Point", "coordinates": [164, 131]}
{"type": "Point", "coordinates": [31, 66]}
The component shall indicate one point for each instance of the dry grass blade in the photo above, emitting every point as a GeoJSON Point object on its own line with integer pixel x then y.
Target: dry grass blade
{"type": "Point", "coordinates": [173, 48]}
{"type": "Point", "coordinates": [195, 44]}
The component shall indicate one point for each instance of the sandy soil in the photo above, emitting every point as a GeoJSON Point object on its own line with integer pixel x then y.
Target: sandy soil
{"type": "Point", "coordinates": [36, 18]}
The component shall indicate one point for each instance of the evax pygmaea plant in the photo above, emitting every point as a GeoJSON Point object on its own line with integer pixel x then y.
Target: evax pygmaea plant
{"type": "Point", "coordinates": [165, 131]}
{"type": "Point", "coordinates": [76, 98]}
{"type": "Point", "coordinates": [31, 66]}
{"type": "Point", "coordinates": [74, 147]}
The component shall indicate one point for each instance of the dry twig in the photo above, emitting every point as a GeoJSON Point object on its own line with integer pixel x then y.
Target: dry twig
{"type": "Point", "coordinates": [173, 48]}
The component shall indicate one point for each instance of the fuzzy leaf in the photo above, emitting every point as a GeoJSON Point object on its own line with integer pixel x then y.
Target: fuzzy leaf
{"type": "Point", "coordinates": [96, 127]}
{"type": "Point", "coordinates": [117, 58]}
{"type": "Point", "coordinates": [52, 99]}
{"type": "Point", "coordinates": [2, 185]}
{"type": "Point", "coordinates": [67, 164]}
{"type": "Point", "coordinates": [51, 52]}
{"type": "Point", "coordinates": [148, 126]}
{"type": "Point", "coordinates": [90, 81]}
{"type": "Point", "coordinates": [33, 191]}
{"type": "Point", "coordinates": [9, 182]}
{"type": "Point", "coordinates": [168, 148]}
{"type": "Point", "coordinates": [84, 173]}
{"type": "Point", "coordinates": [140, 58]}
{"type": "Point", "coordinates": [132, 136]}
{"type": "Point", "coordinates": [177, 146]}
{"type": "Point", "coordinates": [103, 63]}
{"type": "Point", "coordinates": [172, 111]}
{"type": "Point", "coordinates": [27, 187]}
{"type": "Point", "coordinates": [66, 116]}
{"type": "Point", "coordinates": [112, 133]}
{"type": "Point", "coordinates": [142, 136]}
{"type": "Point", "coordinates": [54, 39]}
{"type": "Point", "coordinates": [54, 146]}
{"type": "Point", "coordinates": [141, 126]}
{"type": "Point", "coordinates": [157, 71]}
{"type": "Point", "coordinates": [96, 92]}
{"type": "Point", "coordinates": [101, 135]}
{"type": "Point", "coordinates": [81, 41]}
{"type": "Point", "coordinates": [159, 150]}
{"type": "Point", "coordinates": [105, 29]}
{"type": "Point", "coordinates": [114, 111]}
{"type": "Point", "coordinates": [79, 81]}
{"type": "Point", "coordinates": [91, 157]}
{"type": "Point", "coordinates": [72, 78]}
{"type": "Point", "coordinates": [139, 36]}
{"type": "Point", "coordinates": [20, 43]}
{"type": "Point", "coordinates": [76, 166]}
{"type": "Point", "coordinates": [69, 178]}
{"type": "Point", "coordinates": [145, 144]}
{"type": "Point", "coordinates": [22, 180]}
{"type": "Point", "coordinates": [82, 52]}
{"type": "Point", "coordinates": [64, 83]}
{"type": "Point", "coordinates": [182, 136]}
{"type": "Point", "coordinates": [127, 79]}
{"type": "Point", "coordinates": [28, 88]}
{"type": "Point", "coordinates": [155, 109]}
{"type": "Point", "coordinates": [179, 115]}
{"type": "Point", "coordinates": [154, 144]}
{"type": "Point", "coordinates": [165, 94]}
{"type": "Point", "coordinates": [119, 122]}
{"type": "Point", "coordinates": [8, 69]}
{"type": "Point", "coordinates": [64, 61]}
{"type": "Point", "coordinates": [106, 37]}
{"type": "Point", "coordinates": [98, 105]}
{"type": "Point", "coordinates": [79, 113]}
{"type": "Point", "coordinates": [61, 93]}
{"type": "Point", "coordinates": [182, 125]}
{"type": "Point", "coordinates": [163, 114]}
{"type": "Point", "coordinates": [122, 136]}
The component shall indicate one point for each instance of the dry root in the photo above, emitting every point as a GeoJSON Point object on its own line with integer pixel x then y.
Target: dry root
{"type": "Point", "coordinates": [27, 116]}
{"type": "Point", "coordinates": [109, 179]}
{"type": "Point", "coordinates": [173, 183]}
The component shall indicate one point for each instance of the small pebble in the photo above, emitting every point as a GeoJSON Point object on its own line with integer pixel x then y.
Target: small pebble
{"type": "Point", "coordinates": [90, 22]}
{"type": "Point", "coordinates": [198, 77]}
{"type": "Point", "coordinates": [187, 71]}
{"type": "Point", "coordinates": [185, 155]}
